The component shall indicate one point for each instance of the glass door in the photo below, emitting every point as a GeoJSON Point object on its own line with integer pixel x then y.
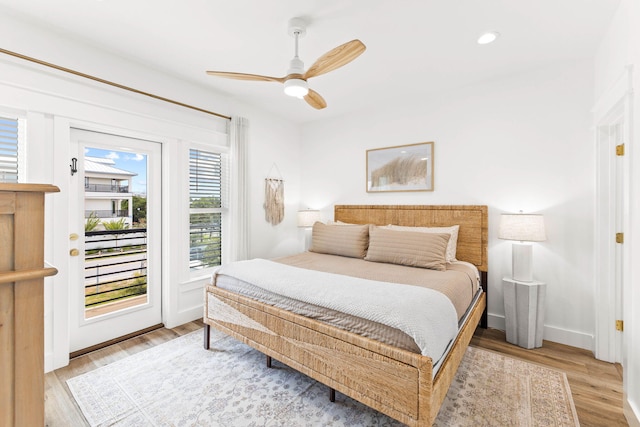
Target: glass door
{"type": "Point", "coordinates": [116, 236]}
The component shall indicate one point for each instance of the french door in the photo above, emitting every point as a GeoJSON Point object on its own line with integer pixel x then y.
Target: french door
{"type": "Point", "coordinates": [115, 223]}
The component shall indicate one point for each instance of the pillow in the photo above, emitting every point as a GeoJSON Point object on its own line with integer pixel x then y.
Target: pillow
{"type": "Point", "coordinates": [345, 240]}
{"type": "Point", "coordinates": [453, 240]}
{"type": "Point", "coordinates": [415, 249]}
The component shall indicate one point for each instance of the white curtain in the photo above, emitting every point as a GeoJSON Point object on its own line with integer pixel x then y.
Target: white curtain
{"type": "Point", "coordinates": [239, 200]}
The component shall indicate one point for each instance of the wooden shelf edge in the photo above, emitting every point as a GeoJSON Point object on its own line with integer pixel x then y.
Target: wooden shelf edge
{"type": "Point", "coordinates": [40, 188]}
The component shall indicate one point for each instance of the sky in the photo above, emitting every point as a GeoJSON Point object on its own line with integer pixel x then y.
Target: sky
{"type": "Point", "coordinates": [132, 162]}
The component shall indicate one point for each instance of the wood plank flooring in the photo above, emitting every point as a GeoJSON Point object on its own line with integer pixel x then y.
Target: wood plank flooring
{"type": "Point", "coordinates": [596, 386]}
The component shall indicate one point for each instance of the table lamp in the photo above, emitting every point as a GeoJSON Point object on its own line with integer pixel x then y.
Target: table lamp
{"type": "Point", "coordinates": [308, 217]}
{"type": "Point", "coordinates": [524, 228]}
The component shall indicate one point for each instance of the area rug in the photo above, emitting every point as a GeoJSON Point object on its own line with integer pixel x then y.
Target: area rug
{"type": "Point", "coordinates": [178, 383]}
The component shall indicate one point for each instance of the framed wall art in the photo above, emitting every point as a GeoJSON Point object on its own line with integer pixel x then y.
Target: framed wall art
{"type": "Point", "coordinates": [400, 168]}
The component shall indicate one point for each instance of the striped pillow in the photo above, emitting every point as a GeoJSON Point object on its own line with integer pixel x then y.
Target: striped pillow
{"type": "Point", "coordinates": [415, 249]}
{"type": "Point", "coordinates": [345, 240]}
{"type": "Point", "coordinates": [453, 240]}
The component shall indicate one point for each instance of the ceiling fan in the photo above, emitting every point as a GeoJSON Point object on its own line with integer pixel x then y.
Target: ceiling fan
{"type": "Point", "coordinates": [295, 82]}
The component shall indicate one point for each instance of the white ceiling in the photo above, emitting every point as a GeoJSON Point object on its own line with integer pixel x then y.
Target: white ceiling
{"type": "Point", "coordinates": [414, 47]}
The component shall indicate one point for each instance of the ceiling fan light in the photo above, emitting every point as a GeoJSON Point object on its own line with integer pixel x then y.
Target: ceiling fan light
{"type": "Point", "coordinates": [296, 87]}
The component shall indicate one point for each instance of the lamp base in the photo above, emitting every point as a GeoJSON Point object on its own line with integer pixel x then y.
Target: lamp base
{"type": "Point", "coordinates": [522, 264]}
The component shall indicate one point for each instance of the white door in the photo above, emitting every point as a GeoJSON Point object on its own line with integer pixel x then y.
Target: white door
{"type": "Point", "coordinates": [610, 220]}
{"type": "Point", "coordinates": [115, 221]}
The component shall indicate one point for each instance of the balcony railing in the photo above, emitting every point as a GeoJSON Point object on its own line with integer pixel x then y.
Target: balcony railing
{"type": "Point", "coordinates": [106, 188]}
{"type": "Point", "coordinates": [119, 213]}
{"type": "Point", "coordinates": [115, 266]}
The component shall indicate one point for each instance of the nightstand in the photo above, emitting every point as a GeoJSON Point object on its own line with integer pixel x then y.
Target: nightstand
{"type": "Point", "coordinates": [524, 312]}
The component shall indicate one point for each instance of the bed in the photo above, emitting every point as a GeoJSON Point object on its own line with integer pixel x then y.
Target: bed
{"type": "Point", "coordinates": [400, 383]}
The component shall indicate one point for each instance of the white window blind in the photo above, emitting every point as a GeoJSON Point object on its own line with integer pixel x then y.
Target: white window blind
{"type": "Point", "coordinates": [9, 149]}
{"type": "Point", "coordinates": [206, 205]}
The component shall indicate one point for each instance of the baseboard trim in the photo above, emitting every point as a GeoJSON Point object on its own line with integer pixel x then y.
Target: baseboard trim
{"type": "Point", "coordinates": [48, 362]}
{"type": "Point", "coordinates": [568, 337]}
{"type": "Point", "coordinates": [185, 316]}
{"type": "Point", "coordinates": [552, 333]}
{"type": "Point", "coordinates": [632, 415]}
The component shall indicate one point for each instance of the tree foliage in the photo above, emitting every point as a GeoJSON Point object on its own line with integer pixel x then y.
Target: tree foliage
{"type": "Point", "coordinates": [139, 209]}
{"type": "Point", "coordinates": [116, 224]}
{"type": "Point", "coordinates": [92, 222]}
{"type": "Point", "coordinates": [206, 202]}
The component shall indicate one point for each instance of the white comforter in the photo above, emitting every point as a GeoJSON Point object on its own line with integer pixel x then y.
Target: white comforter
{"type": "Point", "coordinates": [426, 315]}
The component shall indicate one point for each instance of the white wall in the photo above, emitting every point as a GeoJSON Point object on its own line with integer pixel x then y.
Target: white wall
{"type": "Point", "coordinates": [522, 142]}
{"type": "Point", "coordinates": [620, 49]}
{"type": "Point", "coordinates": [274, 151]}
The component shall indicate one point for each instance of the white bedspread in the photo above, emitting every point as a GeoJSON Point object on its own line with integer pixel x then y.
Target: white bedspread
{"type": "Point", "coordinates": [426, 315]}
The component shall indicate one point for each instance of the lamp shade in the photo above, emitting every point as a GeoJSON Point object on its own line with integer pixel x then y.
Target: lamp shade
{"type": "Point", "coordinates": [308, 217]}
{"type": "Point", "coordinates": [523, 227]}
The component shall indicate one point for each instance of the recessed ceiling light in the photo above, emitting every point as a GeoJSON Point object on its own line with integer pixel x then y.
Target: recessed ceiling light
{"type": "Point", "coordinates": [488, 37]}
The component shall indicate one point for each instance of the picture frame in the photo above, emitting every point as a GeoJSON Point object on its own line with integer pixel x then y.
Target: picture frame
{"type": "Point", "coordinates": [401, 168]}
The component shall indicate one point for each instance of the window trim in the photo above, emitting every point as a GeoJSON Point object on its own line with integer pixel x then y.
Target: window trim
{"type": "Point", "coordinates": [196, 274]}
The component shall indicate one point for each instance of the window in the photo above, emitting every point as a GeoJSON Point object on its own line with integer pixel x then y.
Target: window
{"type": "Point", "coordinates": [10, 153]}
{"type": "Point", "coordinates": [205, 209]}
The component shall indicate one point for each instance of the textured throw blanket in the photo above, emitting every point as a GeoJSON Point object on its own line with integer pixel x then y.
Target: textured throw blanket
{"type": "Point", "coordinates": [426, 315]}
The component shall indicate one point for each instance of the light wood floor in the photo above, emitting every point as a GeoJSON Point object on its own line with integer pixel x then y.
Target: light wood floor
{"type": "Point", "coordinates": [596, 386]}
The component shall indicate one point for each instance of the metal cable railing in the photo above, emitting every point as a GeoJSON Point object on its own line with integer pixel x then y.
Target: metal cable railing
{"type": "Point", "coordinates": [115, 265]}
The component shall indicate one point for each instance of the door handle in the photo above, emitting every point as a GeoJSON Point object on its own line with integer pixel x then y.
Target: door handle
{"type": "Point", "coordinates": [74, 252]}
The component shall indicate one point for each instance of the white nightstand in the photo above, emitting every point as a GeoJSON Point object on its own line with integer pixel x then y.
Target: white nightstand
{"type": "Point", "coordinates": [524, 312]}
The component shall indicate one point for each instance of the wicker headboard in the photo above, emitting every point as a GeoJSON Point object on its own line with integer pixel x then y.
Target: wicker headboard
{"type": "Point", "coordinates": [473, 222]}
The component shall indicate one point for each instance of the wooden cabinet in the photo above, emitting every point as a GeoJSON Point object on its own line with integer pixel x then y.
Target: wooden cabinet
{"type": "Point", "coordinates": [22, 274]}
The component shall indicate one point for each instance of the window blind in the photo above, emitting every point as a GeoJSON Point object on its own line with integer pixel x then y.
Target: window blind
{"type": "Point", "coordinates": [8, 150]}
{"type": "Point", "coordinates": [206, 200]}
{"type": "Point", "coordinates": [205, 179]}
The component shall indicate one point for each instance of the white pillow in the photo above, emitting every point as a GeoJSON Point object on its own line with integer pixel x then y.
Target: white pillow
{"type": "Point", "coordinates": [453, 240]}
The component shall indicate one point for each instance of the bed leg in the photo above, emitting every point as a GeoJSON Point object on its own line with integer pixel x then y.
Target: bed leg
{"type": "Point", "coordinates": [268, 361]}
{"type": "Point", "coordinates": [332, 394]}
{"type": "Point", "coordinates": [207, 334]}
{"type": "Point", "coordinates": [484, 281]}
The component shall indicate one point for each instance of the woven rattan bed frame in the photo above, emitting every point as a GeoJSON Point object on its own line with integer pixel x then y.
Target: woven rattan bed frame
{"type": "Point", "coordinates": [393, 381]}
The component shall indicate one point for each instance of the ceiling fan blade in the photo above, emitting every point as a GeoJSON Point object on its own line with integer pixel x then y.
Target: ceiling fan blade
{"type": "Point", "coordinates": [243, 76]}
{"type": "Point", "coordinates": [336, 58]}
{"type": "Point", "coordinates": [314, 99]}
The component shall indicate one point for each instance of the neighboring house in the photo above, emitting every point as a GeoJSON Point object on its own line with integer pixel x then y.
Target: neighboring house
{"type": "Point", "coordinates": [107, 191]}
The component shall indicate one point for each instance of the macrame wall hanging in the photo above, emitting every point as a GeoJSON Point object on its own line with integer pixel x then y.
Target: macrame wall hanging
{"type": "Point", "coordinates": [274, 197]}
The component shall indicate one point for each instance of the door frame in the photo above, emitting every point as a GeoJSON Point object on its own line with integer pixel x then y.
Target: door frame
{"type": "Point", "coordinates": [60, 296]}
{"type": "Point", "coordinates": [89, 332]}
{"type": "Point", "coordinates": [612, 267]}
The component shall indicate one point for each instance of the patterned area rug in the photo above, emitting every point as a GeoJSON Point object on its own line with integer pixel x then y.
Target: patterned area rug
{"type": "Point", "coordinates": [178, 383]}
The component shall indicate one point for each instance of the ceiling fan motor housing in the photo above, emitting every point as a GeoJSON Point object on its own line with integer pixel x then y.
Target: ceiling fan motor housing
{"type": "Point", "coordinates": [294, 84]}
{"type": "Point", "coordinates": [296, 66]}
